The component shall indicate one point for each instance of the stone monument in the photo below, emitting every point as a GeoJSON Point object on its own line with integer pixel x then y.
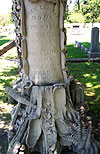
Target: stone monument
{"type": "Point", "coordinates": [44, 120]}
{"type": "Point", "coordinates": [94, 48]}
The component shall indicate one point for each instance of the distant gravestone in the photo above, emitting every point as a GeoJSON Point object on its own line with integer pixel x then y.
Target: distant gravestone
{"type": "Point", "coordinates": [86, 50]}
{"type": "Point", "coordinates": [75, 42]}
{"type": "Point", "coordinates": [78, 44]}
{"type": "Point", "coordinates": [82, 48]}
{"type": "Point", "coordinates": [94, 48]}
{"type": "Point", "coordinates": [76, 30]}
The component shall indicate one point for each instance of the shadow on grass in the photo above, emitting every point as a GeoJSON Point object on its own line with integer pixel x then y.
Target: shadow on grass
{"type": "Point", "coordinates": [12, 72]}
{"type": "Point", "coordinates": [5, 116]}
{"type": "Point", "coordinates": [89, 75]}
{"type": "Point", "coordinates": [8, 73]}
{"type": "Point", "coordinates": [6, 79]}
{"type": "Point", "coordinates": [3, 141]}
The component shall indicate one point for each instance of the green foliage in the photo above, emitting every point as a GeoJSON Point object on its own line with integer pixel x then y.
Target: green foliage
{"type": "Point", "coordinates": [98, 19]}
{"type": "Point", "coordinates": [9, 21]}
{"type": "Point", "coordinates": [74, 52]}
{"type": "Point", "coordinates": [88, 11]}
{"type": "Point", "coordinates": [5, 19]}
{"type": "Point", "coordinates": [91, 10]}
{"type": "Point", "coordinates": [67, 14]}
{"type": "Point", "coordinates": [89, 75]}
{"type": "Point", "coordinates": [77, 18]}
{"type": "Point", "coordinates": [78, 5]}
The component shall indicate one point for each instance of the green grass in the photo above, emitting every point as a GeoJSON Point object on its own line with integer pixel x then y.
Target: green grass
{"type": "Point", "coordinates": [87, 44]}
{"type": "Point", "coordinates": [89, 75]}
{"type": "Point", "coordinates": [74, 52]}
{"type": "Point", "coordinates": [8, 74]}
{"type": "Point", "coordinates": [8, 55]}
{"type": "Point", "coordinates": [4, 39]}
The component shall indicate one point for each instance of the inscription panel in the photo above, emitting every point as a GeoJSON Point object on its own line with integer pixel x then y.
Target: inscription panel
{"type": "Point", "coordinates": [43, 42]}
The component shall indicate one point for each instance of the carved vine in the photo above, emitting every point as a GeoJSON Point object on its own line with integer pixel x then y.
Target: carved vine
{"type": "Point", "coordinates": [18, 16]}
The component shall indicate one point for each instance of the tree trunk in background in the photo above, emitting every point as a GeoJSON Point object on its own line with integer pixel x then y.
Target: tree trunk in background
{"type": "Point", "coordinates": [44, 120]}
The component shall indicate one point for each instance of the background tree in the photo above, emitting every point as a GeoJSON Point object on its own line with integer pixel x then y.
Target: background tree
{"type": "Point", "coordinates": [91, 10]}
{"type": "Point", "coordinates": [77, 5]}
{"type": "Point", "coordinates": [83, 11]}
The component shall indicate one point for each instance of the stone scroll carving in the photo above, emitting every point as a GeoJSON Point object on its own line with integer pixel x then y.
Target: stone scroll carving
{"type": "Point", "coordinates": [44, 120]}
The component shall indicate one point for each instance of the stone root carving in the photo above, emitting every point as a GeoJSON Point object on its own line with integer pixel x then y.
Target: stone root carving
{"type": "Point", "coordinates": [44, 120]}
{"type": "Point", "coordinates": [47, 114]}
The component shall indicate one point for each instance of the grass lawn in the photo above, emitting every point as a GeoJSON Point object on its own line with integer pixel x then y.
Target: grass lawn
{"type": "Point", "coordinates": [8, 74]}
{"type": "Point", "coordinates": [4, 39]}
{"type": "Point", "coordinates": [87, 44]}
{"type": "Point", "coordinates": [74, 52]}
{"type": "Point", "coordinates": [89, 75]}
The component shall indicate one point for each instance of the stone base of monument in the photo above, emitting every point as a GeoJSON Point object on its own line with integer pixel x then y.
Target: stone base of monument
{"type": "Point", "coordinates": [48, 122]}
{"type": "Point", "coordinates": [93, 54]}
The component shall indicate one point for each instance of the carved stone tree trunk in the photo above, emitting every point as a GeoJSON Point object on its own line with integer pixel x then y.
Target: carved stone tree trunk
{"type": "Point", "coordinates": [44, 119]}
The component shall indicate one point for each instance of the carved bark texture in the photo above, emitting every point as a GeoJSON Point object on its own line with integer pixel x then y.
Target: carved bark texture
{"type": "Point", "coordinates": [44, 119]}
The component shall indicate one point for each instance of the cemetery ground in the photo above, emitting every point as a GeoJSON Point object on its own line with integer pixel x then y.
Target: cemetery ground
{"type": "Point", "coordinates": [4, 39]}
{"type": "Point", "coordinates": [8, 74]}
{"type": "Point", "coordinates": [86, 73]}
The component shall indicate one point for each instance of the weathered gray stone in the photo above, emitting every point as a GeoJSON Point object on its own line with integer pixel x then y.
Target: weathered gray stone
{"type": "Point", "coordinates": [77, 92]}
{"type": "Point", "coordinates": [93, 54]}
{"type": "Point", "coordinates": [94, 48]}
{"type": "Point", "coordinates": [94, 40]}
{"type": "Point", "coordinates": [86, 50]}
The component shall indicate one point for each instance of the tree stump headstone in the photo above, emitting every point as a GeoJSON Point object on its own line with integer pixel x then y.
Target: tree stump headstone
{"type": "Point", "coordinates": [44, 120]}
